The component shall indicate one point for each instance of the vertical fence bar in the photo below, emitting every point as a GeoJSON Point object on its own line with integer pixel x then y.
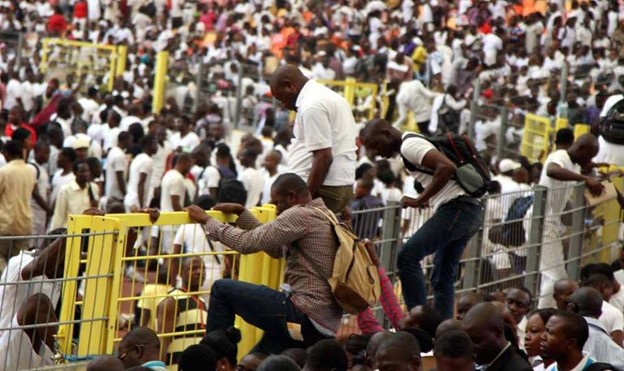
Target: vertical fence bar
{"type": "Point", "coordinates": [160, 81]}
{"type": "Point", "coordinates": [536, 228]}
{"type": "Point", "coordinates": [474, 252]}
{"type": "Point", "coordinates": [122, 55]}
{"type": "Point", "coordinates": [474, 108]}
{"type": "Point", "coordinates": [502, 141]}
{"type": "Point", "coordinates": [391, 237]}
{"type": "Point", "coordinates": [576, 239]}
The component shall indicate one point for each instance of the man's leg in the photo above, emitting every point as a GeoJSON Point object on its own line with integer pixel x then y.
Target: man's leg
{"type": "Point", "coordinates": [446, 261]}
{"type": "Point", "coordinates": [336, 198]}
{"type": "Point", "coordinates": [552, 266]}
{"type": "Point", "coordinates": [403, 111]}
{"type": "Point", "coordinates": [260, 306]}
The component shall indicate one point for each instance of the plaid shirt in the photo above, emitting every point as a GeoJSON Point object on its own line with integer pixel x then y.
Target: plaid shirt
{"type": "Point", "coordinates": [299, 227]}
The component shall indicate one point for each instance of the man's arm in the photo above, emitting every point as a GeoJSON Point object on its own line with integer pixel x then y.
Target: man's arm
{"type": "Point", "coordinates": [38, 199]}
{"type": "Point", "coordinates": [121, 181]}
{"type": "Point", "coordinates": [175, 202]}
{"type": "Point", "coordinates": [166, 324]}
{"type": "Point", "coordinates": [141, 190]}
{"type": "Point", "coordinates": [559, 173]}
{"type": "Point", "coordinates": [60, 210]}
{"type": "Point", "coordinates": [443, 170]}
{"type": "Point", "coordinates": [321, 162]}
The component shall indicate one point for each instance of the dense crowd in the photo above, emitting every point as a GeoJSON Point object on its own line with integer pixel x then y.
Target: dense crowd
{"type": "Point", "coordinates": [70, 146]}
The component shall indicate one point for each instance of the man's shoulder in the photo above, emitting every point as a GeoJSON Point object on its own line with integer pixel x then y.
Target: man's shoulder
{"type": "Point", "coordinates": [511, 361]}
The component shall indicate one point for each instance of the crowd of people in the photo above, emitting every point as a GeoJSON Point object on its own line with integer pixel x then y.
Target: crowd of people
{"type": "Point", "coordinates": [70, 147]}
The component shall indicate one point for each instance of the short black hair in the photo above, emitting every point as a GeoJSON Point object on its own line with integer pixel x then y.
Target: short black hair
{"type": "Point", "coordinates": [454, 344]}
{"type": "Point", "coordinates": [278, 363]}
{"type": "Point", "coordinates": [387, 177]}
{"type": "Point", "coordinates": [123, 136]}
{"type": "Point", "coordinates": [148, 140]}
{"type": "Point", "coordinates": [13, 149]}
{"type": "Point", "coordinates": [359, 172]}
{"type": "Point", "coordinates": [327, 355]}
{"type": "Point", "coordinates": [564, 136]}
{"type": "Point", "coordinates": [290, 182]}
{"type": "Point", "coordinates": [575, 327]}
{"type": "Point", "coordinates": [223, 343]}
{"type": "Point", "coordinates": [545, 314]}
{"type": "Point", "coordinates": [596, 280]}
{"type": "Point", "coordinates": [198, 357]}
{"type": "Point", "coordinates": [603, 268]}
{"type": "Point", "coordinates": [69, 153]}
{"type": "Point", "coordinates": [205, 202]}
{"type": "Point", "coordinates": [20, 135]}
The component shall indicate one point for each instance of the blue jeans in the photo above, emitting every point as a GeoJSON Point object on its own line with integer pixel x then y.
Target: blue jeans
{"type": "Point", "coordinates": [445, 234]}
{"type": "Point", "coordinates": [262, 307]}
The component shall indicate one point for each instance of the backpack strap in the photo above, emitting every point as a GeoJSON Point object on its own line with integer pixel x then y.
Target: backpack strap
{"type": "Point", "coordinates": [316, 267]}
{"type": "Point", "coordinates": [410, 165]}
{"type": "Point", "coordinates": [33, 164]}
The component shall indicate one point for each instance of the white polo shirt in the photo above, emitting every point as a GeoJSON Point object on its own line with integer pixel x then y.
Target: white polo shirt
{"type": "Point", "coordinates": [172, 185]}
{"type": "Point", "coordinates": [253, 181]}
{"type": "Point", "coordinates": [18, 353]}
{"type": "Point", "coordinates": [116, 161]}
{"type": "Point", "coordinates": [142, 164]}
{"type": "Point", "coordinates": [324, 120]}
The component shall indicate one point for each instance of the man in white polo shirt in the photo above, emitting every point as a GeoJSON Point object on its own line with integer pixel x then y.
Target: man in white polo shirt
{"type": "Point", "coordinates": [323, 147]}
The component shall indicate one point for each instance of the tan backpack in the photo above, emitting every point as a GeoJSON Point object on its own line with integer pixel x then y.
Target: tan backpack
{"type": "Point", "coordinates": [354, 280]}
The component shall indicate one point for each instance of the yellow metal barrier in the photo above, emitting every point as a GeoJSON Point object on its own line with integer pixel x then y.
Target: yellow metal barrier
{"type": "Point", "coordinates": [536, 137]}
{"type": "Point", "coordinates": [160, 81]}
{"type": "Point", "coordinates": [560, 123]}
{"type": "Point", "coordinates": [90, 60]}
{"type": "Point", "coordinates": [96, 261]}
{"type": "Point", "coordinates": [356, 92]}
{"type": "Point", "coordinates": [581, 129]}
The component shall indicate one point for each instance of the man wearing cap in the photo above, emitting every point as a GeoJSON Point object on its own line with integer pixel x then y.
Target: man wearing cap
{"type": "Point", "coordinates": [509, 187]}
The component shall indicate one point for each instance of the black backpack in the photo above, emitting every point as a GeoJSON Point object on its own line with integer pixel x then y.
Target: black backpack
{"type": "Point", "coordinates": [472, 173]}
{"type": "Point", "coordinates": [448, 118]}
{"type": "Point", "coordinates": [230, 188]}
{"type": "Point", "coordinates": [513, 233]}
{"type": "Point", "coordinates": [611, 127]}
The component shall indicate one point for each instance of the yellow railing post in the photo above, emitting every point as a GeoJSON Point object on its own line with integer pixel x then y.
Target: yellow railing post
{"type": "Point", "coordinates": [349, 90]}
{"type": "Point", "coordinates": [43, 65]}
{"type": "Point", "coordinates": [580, 129]}
{"type": "Point", "coordinates": [160, 80]}
{"type": "Point", "coordinates": [122, 55]}
{"type": "Point", "coordinates": [535, 138]}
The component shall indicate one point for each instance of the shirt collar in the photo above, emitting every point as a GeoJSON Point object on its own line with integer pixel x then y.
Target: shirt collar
{"type": "Point", "coordinates": [308, 86]}
{"type": "Point", "coordinates": [596, 323]}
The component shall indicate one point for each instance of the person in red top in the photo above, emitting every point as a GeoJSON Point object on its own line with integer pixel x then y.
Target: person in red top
{"type": "Point", "coordinates": [57, 23]}
{"type": "Point", "coordinates": [52, 96]}
{"type": "Point", "coordinates": [80, 10]}
{"type": "Point", "coordinates": [15, 122]}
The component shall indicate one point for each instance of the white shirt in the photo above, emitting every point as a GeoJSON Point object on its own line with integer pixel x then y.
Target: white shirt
{"type": "Point", "coordinates": [43, 182]}
{"type": "Point", "coordinates": [601, 346]}
{"type": "Point", "coordinates": [391, 195]}
{"type": "Point", "coordinates": [414, 96]}
{"type": "Point", "coordinates": [160, 163]}
{"type": "Point", "coordinates": [521, 332]}
{"type": "Point", "coordinates": [268, 183]}
{"type": "Point", "coordinates": [188, 142]}
{"type": "Point", "coordinates": [253, 181]}
{"type": "Point", "coordinates": [116, 161]}
{"type": "Point", "coordinates": [111, 137]}
{"type": "Point", "coordinates": [172, 185]}
{"type": "Point", "coordinates": [611, 318]}
{"type": "Point", "coordinates": [610, 153]}
{"type": "Point", "coordinates": [14, 290]}
{"type": "Point", "coordinates": [142, 164]}
{"type": "Point", "coordinates": [558, 191]}
{"type": "Point", "coordinates": [324, 120]}
{"type": "Point", "coordinates": [72, 200]}
{"type": "Point", "coordinates": [89, 108]}
{"type": "Point", "coordinates": [13, 92]}
{"type": "Point", "coordinates": [125, 122]}
{"type": "Point", "coordinates": [414, 150]}
{"type": "Point", "coordinates": [58, 181]}
{"type": "Point", "coordinates": [18, 353]}
{"type": "Point", "coordinates": [27, 94]}
{"type": "Point", "coordinates": [192, 238]}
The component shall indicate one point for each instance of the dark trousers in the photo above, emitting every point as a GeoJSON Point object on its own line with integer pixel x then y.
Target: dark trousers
{"type": "Point", "coordinates": [446, 234]}
{"type": "Point", "coordinates": [262, 307]}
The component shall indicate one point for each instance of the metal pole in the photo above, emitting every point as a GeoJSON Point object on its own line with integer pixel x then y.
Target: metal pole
{"type": "Point", "coordinates": [20, 46]}
{"type": "Point", "coordinates": [502, 143]}
{"type": "Point", "coordinates": [578, 226]}
{"type": "Point", "coordinates": [391, 238]}
{"type": "Point", "coordinates": [472, 275]}
{"type": "Point", "coordinates": [474, 108]}
{"type": "Point", "coordinates": [534, 243]}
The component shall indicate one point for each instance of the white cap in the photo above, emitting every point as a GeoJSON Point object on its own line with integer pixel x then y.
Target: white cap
{"type": "Point", "coordinates": [81, 143]}
{"type": "Point", "coordinates": [508, 165]}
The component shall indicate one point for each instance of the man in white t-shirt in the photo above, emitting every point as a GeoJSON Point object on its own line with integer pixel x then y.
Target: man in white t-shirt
{"type": "Point", "coordinates": [191, 238]}
{"type": "Point", "coordinates": [174, 194]}
{"type": "Point", "coordinates": [111, 130]}
{"type": "Point", "coordinates": [456, 218]}
{"type": "Point", "coordinates": [117, 169]}
{"type": "Point", "coordinates": [252, 178]}
{"type": "Point", "coordinates": [323, 150]}
{"type": "Point", "coordinates": [29, 348]}
{"type": "Point", "coordinates": [64, 174]}
{"type": "Point", "coordinates": [89, 105]}
{"type": "Point", "coordinates": [184, 139]}
{"type": "Point", "coordinates": [39, 204]}
{"type": "Point", "coordinates": [140, 176]}
{"type": "Point", "coordinates": [28, 274]}
{"type": "Point", "coordinates": [270, 172]}
{"type": "Point", "coordinates": [561, 168]}
{"type": "Point", "coordinates": [13, 92]}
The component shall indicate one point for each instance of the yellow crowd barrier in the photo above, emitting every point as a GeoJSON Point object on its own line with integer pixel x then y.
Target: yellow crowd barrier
{"type": "Point", "coordinates": [95, 259]}
{"type": "Point", "coordinates": [536, 138]}
{"type": "Point", "coordinates": [581, 129]}
{"type": "Point", "coordinates": [83, 60]}
{"type": "Point", "coordinates": [356, 93]}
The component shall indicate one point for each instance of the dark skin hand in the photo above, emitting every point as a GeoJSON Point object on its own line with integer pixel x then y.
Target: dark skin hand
{"type": "Point", "coordinates": [443, 172]}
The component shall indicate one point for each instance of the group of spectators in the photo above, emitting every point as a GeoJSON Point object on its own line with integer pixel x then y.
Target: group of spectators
{"type": "Point", "coordinates": [71, 147]}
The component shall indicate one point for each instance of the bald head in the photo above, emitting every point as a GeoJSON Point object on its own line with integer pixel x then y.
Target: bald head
{"type": "Point", "coordinates": [587, 302]}
{"type": "Point", "coordinates": [448, 325]}
{"type": "Point", "coordinates": [105, 363]}
{"type": "Point", "coordinates": [484, 316]}
{"type": "Point", "coordinates": [562, 291]}
{"type": "Point", "coordinates": [374, 343]}
{"type": "Point", "coordinates": [141, 335]}
{"type": "Point", "coordinates": [286, 83]}
{"type": "Point", "coordinates": [399, 349]}
{"type": "Point", "coordinates": [584, 149]}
